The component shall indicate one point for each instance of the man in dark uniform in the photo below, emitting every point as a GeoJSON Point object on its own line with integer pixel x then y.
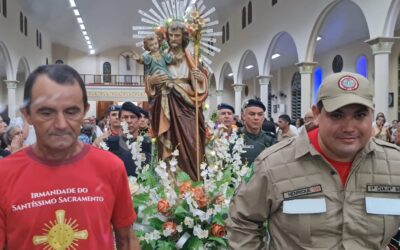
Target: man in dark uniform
{"type": "Point", "coordinates": [130, 113]}
{"type": "Point", "coordinates": [255, 139]}
{"type": "Point", "coordinates": [144, 122]}
{"type": "Point", "coordinates": [225, 117]}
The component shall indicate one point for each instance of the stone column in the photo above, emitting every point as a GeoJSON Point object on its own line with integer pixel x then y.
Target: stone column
{"type": "Point", "coordinates": [238, 97]}
{"type": "Point", "coordinates": [306, 70]}
{"type": "Point", "coordinates": [218, 93]}
{"type": "Point", "coordinates": [381, 48]}
{"type": "Point", "coordinates": [264, 81]}
{"type": "Point", "coordinates": [12, 100]}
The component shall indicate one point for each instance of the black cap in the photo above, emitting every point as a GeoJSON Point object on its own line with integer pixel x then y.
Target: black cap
{"type": "Point", "coordinates": [114, 108]}
{"type": "Point", "coordinates": [225, 106]}
{"type": "Point", "coordinates": [144, 112]}
{"type": "Point", "coordinates": [128, 106]}
{"type": "Point", "coordinates": [254, 103]}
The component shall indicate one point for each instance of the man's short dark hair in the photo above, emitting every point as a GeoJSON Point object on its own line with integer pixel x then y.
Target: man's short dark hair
{"type": "Point", "coordinates": [320, 105]}
{"type": "Point", "coordinates": [285, 117]}
{"type": "Point", "coordinates": [60, 73]}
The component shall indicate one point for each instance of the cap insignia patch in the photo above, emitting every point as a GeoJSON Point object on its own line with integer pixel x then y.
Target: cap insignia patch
{"type": "Point", "coordinates": [348, 83]}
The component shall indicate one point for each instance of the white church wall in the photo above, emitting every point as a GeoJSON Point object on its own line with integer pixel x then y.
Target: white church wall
{"type": "Point", "coordinates": [18, 45]}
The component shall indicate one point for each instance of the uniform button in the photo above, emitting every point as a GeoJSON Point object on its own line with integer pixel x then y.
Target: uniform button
{"type": "Point", "coordinates": [333, 172]}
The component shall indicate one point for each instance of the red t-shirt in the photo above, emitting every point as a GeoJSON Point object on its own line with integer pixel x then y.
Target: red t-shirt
{"type": "Point", "coordinates": [343, 168]}
{"type": "Point", "coordinates": [72, 205]}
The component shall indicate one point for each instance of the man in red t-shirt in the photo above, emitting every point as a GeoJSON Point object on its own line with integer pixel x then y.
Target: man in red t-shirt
{"type": "Point", "coordinates": [334, 187]}
{"type": "Point", "coordinates": [59, 193]}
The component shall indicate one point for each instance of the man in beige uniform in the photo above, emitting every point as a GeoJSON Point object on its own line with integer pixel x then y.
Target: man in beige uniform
{"type": "Point", "coordinates": [301, 186]}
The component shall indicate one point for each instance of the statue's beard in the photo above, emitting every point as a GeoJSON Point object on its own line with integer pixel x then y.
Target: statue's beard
{"type": "Point", "coordinates": [175, 45]}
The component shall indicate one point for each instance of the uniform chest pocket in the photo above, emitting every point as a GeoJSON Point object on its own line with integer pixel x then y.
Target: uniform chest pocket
{"type": "Point", "coordinates": [298, 215]}
{"type": "Point", "coordinates": [304, 206]}
{"type": "Point", "coordinates": [383, 216]}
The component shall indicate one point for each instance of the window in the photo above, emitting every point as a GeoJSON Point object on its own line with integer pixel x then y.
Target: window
{"type": "Point", "coordinates": [59, 61]}
{"type": "Point", "coordinates": [318, 75]}
{"type": "Point", "coordinates": [40, 40]}
{"type": "Point", "coordinates": [37, 38]}
{"type": "Point", "coordinates": [227, 31]}
{"type": "Point", "coordinates": [5, 8]}
{"type": "Point", "coordinates": [296, 95]}
{"type": "Point", "coordinates": [47, 61]}
{"type": "Point", "coordinates": [362, 66]}
{"type": "Point", "coordinates": [274, 2]}
{"type": "Point", "coordinates": [244, 19]}
{"type": "Point", "coordinates": [21, 22]}
{"type": "Point", "coordinates": [223, 34]}
{"type": "Point", "coordinates": [337, 64]}
{"type": "Point", "coordinates": [249, 13]}
{"type": "Point", "coordinates": [106, 72]}
{"type": "Point", "coordinates": [26, 26]}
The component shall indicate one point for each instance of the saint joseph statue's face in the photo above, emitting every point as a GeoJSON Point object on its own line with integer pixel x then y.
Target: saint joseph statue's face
{"type": "Point", "coordinates": [175, 38]}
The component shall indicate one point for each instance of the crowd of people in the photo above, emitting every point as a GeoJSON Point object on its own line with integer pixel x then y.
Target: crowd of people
{"type": "Point", "coordinates": [314, 179]}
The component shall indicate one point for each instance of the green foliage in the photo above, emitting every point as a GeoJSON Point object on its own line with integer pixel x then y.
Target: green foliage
{"type": "Point", "coordinates": [214, 116]}
{"type": "Point", "coordinates": [220, 241]}
{"type": "Point", "coordinates": [156, 223]}
{"type": "Point", "coordinates": [165, 245]}
{"type": "Point", "coordinates": [194, 243]}
{"type": "Point", "coordinates": [141, 199]}
{"type": "Point", "coordinates": [183, 177]}
{"type": "Point", "coordinates": [180, 212]}
{"type": "Point", "coordinates": [217, 219]}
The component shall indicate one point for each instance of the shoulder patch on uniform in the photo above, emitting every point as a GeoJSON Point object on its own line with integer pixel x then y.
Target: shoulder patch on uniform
{"type": "Point", "coordinates": [386, 144]}
{"type": "Point", "coordinates": [275, 147]}
{"type": "Point", "coordinates": [302, 191]}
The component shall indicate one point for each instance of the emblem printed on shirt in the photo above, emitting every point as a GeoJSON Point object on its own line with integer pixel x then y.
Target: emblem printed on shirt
{"type": "Point", "coordinates": [302, 191]}
{"type": "Point", "coordinates": [248, 146]}
{"type": "Point", "coordinates": [383, 189]}
{"type": "Point", "coordinates": [60, 233]}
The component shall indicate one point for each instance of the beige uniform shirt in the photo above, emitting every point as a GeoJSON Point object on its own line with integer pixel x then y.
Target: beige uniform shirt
{"type": "Point", "coordinates": [301, 196]}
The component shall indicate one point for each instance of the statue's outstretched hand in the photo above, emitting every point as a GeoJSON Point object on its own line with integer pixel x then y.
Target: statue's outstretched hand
{"type": "Point", "coordinates": [135, 56]}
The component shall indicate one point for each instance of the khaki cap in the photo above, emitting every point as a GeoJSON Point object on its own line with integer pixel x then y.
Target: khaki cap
{"type": "Point", "coordinates": [344, 88]}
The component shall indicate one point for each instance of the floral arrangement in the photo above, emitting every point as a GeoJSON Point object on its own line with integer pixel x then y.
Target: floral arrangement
{"type": "Point", "coordinates": [176, 213]}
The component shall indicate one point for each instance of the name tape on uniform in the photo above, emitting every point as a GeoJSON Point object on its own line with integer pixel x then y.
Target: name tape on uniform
{"type": "Point", "coordinates": [302, 191]}
{"type": "Point", "coordinates": [383, 189]}
{"type": "Point", "coordinates": [383, 206]}
{"type": "Point", "coordinates": [304, 206]}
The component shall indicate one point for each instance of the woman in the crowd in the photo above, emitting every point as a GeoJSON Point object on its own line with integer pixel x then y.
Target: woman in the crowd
{"type": "Point", "coordinates": [299, 124]}
{"type": "Point", "coordinates": [380, 131]}
{"type": "Point", "coordinates": [3, 128]}
{"type": "Point", "coordinates": [13, 137]}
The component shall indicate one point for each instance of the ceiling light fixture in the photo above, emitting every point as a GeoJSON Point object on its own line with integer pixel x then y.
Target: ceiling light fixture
{"type": "Point", "coordinates": [90, 46]}
{"type": "Point", "coordinates": [89, 42]}
{"type": "Point", "coordinates": [79, 19]}
{"type": "Point", "coordinates": [87, 38]}
{"type": "Point", "coordinates": [319, 38]}
{"type": "Point", "coordinates": [230, 74]}
{"type": "Point", "coordinates": [249, 66]}
{"type": "Point", "coordinates": [84, 32]}
{"type": "Point", "coordinates": [76, 12]}
{"type": "Point", "coordinates": [82, 27]}
{"type": "Point", "coordinates": [276, 55]}
{"type": "Point", "coordinates": [72, 3]}
{"type": "Point", "coordinates": [92, 51]}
